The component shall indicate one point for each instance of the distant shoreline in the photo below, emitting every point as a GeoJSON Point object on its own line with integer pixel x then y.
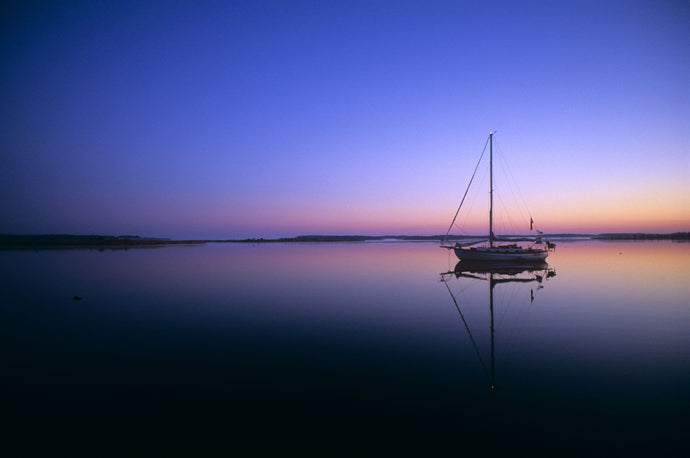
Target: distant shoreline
{"type": "Point", "coordinates": [78, 241]}
{"type": "Point", "coordinates": [127, 241]}
{"type": "Point", "coordinates": [642, 236]}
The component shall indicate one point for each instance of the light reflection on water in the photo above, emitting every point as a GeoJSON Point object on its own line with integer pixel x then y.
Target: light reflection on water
{"type": "Point", "coordinates": [359, 333]}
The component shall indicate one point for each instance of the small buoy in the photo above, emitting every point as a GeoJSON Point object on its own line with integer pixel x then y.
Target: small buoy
{"type": "Point", "coordinates": [77, 298]}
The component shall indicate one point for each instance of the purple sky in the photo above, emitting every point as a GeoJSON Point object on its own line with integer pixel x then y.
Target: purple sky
{"type": "Point", "coordinates": [264, 119]}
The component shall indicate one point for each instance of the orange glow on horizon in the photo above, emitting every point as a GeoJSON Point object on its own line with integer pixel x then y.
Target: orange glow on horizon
{"type": "Point", "coordinates": [285, 219]}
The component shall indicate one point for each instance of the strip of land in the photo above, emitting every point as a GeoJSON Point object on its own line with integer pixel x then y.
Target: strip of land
{"type": "Point", "coordinates": [127, 241]}
{"type": "Point", "coordinates": [76, 241]}
{"type": "Point", "coordinates": [642, 236]}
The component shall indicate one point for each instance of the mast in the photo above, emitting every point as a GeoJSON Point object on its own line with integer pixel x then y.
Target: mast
{"type": "Point", "coordinates": [491, 313]}
{"type": "Point", "coordinates": [491, 189]}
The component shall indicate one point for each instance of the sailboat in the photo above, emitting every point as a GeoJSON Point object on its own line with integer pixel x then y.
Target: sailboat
{"type": "Point", "coordinates": [494, 249]}
{"type": "Point", "coordinates": [496, 274]}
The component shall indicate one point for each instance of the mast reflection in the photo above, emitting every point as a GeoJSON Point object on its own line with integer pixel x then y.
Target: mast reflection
{"type": "Point", "coordinates": [495, 274]}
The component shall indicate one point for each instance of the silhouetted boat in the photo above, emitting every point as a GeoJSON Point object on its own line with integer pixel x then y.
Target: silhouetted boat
{"type": "Point", "coordinates": [495, 249]}
{"type": "Point", "coordinates": [496, 273]}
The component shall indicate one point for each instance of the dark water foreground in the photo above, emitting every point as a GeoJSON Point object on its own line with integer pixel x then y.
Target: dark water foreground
{"type": "Point", "coordinates": [348, 346]}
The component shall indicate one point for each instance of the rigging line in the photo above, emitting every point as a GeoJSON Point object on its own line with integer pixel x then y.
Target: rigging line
{"type": "Point", "coordinates": [468, 330]}
{"type": "Point", "coordinates": [505, 297]}
{"type": "Point", "coordinates": [518, 202]}
{"type": "Point", "coordinates": [506, 166]}
{"type": "Point", "coordinates": [505, 219]}
{"type": "Point", "coordinates": [468, 188]}
{"type": "Point", "coordinates": [518, 324]}
{"type": "Point", "coordinates": [469, 213]}
{"type": "Point", "coordinates": [474, 196]}
{"type": "Point", "coordinates": [501, 216]}
{"type": "Point", "coordinates": [464, 289]}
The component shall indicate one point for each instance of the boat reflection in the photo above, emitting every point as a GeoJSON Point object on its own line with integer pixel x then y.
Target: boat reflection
{"type": "Point", "coordinates": [495, 274]}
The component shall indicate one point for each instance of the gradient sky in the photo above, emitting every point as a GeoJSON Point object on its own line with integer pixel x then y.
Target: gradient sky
{"type": "Point", "coordinates": [278, 118]}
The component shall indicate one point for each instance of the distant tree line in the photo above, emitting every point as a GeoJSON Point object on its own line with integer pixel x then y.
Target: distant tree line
{"type": "Point", "coordinates": [641, 236]}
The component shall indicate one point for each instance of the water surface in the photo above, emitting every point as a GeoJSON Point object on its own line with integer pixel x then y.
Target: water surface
{"type": "Point", "coordinates": [354, 340]}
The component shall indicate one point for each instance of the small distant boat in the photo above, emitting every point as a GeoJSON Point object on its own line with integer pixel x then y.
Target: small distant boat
{"type": "Point", "coordinates": [494, 249]}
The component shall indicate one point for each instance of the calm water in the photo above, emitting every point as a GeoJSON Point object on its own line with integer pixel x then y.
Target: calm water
{"type": "Point", "coordinates": [352, 341]}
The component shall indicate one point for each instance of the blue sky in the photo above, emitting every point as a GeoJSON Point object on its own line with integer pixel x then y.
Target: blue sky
{"type": "Point", "coordinates": [243, 119]}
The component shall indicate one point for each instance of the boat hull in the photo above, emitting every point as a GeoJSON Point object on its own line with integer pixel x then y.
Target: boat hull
{"type": "Point", "coordinates": [501, 254]}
